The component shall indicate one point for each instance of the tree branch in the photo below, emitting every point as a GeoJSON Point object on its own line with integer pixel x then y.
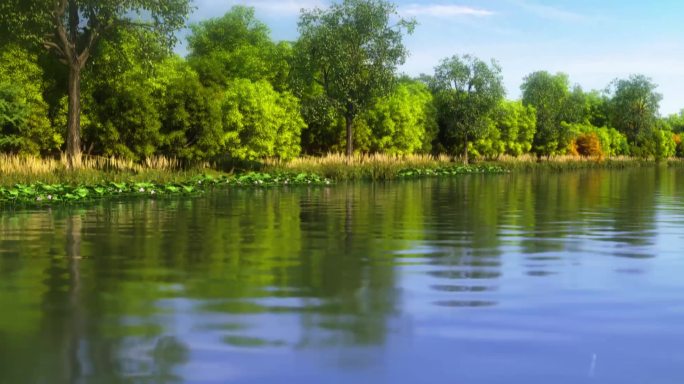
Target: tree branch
{"type": "Point", "coordinates": [128, 23]}
{"type": "Point", "coordinates": [93, 37]}
{"type": "Point", "coordinates": [52, 45]}
{"type": "Point", "coordinates": [58, 17]}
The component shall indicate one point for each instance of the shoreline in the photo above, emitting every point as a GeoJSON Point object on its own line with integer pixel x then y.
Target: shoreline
{"type": "Point", "coordinates": [67, 189]}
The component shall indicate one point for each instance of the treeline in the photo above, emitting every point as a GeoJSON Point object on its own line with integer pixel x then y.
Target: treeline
{"type": "Point", "coordinates": [241, 95]}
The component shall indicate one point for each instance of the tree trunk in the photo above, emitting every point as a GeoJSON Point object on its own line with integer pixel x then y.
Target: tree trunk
{"type": "Point", "coordinates": [74, 117]}
{"type": "Point", "coordinates": [350, 135]}
{"type": "Point", "coordinates": [465, 150]}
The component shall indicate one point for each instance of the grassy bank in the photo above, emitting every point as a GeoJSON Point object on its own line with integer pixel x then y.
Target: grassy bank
{"type": "Point", "coordinates": [387, 167]}
{"type": "Point", "coordinates": [35, 181]}
{"type": "Point", "coordinates": [378, 166]}
{"type": "Point", "coordinates": [568, 163]}
{"type": "Point", "coordinates": [38, 182]}
{"type": "Point", "coordinates": [27, 170]}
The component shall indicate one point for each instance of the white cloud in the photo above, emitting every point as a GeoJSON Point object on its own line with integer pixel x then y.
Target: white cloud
{"type": "Point", "coordinates": [443, 10]}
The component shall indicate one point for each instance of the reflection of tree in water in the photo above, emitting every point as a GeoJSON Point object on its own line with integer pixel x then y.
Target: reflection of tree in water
{"type": "Point", "coordinates": [345, 265]}
{"type": "Point", "coordinates": [105, 283]}
{"type": "Point", "coordinates": [78, 337]}
{"type": "Point", "coordinates": [466, 216]}
{"type": "Point", "coordinates": [635, 206]}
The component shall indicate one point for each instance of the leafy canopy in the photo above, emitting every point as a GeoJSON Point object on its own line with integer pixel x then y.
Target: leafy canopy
{"type": "Point", "coordinates": [352, 49]}
{"type": "Point", "coordinates": [634, 105]}
{"type": "Point", "coordinates": [259, 122]}
{"type": "Point", "coordinates": [468, 91]}
{"type": "Point", "coordinates": [404, 122]}
{"type": "Point", "coordinates": [548, 94]}
{"type": "Point", "coordinates": [236, 46]}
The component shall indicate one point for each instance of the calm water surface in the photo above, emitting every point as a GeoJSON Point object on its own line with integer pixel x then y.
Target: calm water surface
{"type": "Point", "coordinates": [528, 278]}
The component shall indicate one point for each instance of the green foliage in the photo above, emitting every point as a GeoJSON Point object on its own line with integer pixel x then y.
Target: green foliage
{"type": "Point", "coordinates": [23, 22]}
{"type": "Point", "coordinates": [72, 29]}
{"type": "Point", "coordinates": [612, 142]}
{"type": "Point", "coordinates": [490, 145]}
{"type": "Point", "coordinates": [548, 94]}
{"type": "Point", "coordinates": [39, 194]}
{"type": "Point", "coordinates": [451, 170]}
{"type": "Point", "coordinates": [512, 130]}
{"type": "Point", "coordinates": [656, 142]}
{"type": "Point", "coordinates": [633, 108]}
{"type": "Point", "coordinates": [259, 122]}
{"type": "Point", "coordinates": [120, 97]}
{"type": "Point", "coordinates": [24, 124]}
{"type": "Point", "coordinates": [467, 92]}
{"type": "Point", "coordinates": [324, 129]}
{"type": "Point", "coordinates": [404, 122]}
{"type": "Point", "coordinates": [675, 122]}
{"type": "Point", "coordinates": [235, 46]}
{"type": "Point", "coordinates": [597, 108]}
{"type": "Point", "coordinates": [352, 49]}
{"type": "Point", "coordinates": [190, 114]}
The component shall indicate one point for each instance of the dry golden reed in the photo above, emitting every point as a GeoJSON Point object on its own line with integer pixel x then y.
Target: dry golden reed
{"type": "Point", "coordinates": [30, 169]}
{"type": "Point", "coordinates": [360, 166]}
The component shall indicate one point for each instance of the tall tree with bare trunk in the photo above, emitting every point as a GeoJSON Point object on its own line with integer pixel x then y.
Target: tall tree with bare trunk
{"type": "Point", "coordinates": [70, 29]}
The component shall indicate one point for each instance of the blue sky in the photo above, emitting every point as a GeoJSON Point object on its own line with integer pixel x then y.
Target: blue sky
{"type": "Point", "coordinates": [592, 41]}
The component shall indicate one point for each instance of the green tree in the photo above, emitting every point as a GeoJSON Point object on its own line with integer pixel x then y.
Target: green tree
{"type": "Point", "coordinates": [235, 46]}
{"type": "Point", "coordinates": [547, 93]}
{"type": "Point", "coordinates": [190, 113]}
{"type": "Point", "coordinates": [352, 49]}
{"type": "Point", "coordinates": [633, 108]}
{"type": "Point", "coordinates": [121, 93]}
{"type": "Point", "coordinates": [259, 122]}
{"type": "Point", "coordinates": [490, 144]}
{"type": "Point", "coordinates": [23, 21]}
{"type": "Point", "coordinates": [576, 108]}
{"type": "Point", "coordinates": [516, 124]}
{"type": "Point", "coordinates": [657, 142]}
{"type": "Point", "coordinates": [404, 122]}
{"type": "Point", "coordinates": [597, 104]}
{"type": "Point", "coordinates": [24, 124]}
{"type": "Point", "coordinates": [324, 126]}
{"type": "Point", "coordinates": [72, 28]}
{"type": "Point", "coordinates": [467, 90]}
{"type": "Point", "coordinates": [676, 122]}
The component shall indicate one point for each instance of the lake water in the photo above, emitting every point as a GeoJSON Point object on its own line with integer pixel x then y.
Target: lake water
{"type": "Point", "coordinates": [523, 278]}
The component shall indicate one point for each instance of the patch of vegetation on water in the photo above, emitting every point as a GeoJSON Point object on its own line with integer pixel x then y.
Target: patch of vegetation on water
{"type": "Point", "coordinates": [41, 194]}
{"type": "Point", "coordinates": [451, 171]}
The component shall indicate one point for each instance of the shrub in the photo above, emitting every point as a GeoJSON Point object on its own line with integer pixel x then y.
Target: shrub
{"type": "Point", "coordinates": [589, 145]}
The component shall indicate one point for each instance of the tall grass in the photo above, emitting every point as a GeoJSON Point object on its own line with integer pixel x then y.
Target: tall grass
{"type": "Point", "coordinates": [373, 166]}
{"type": "Point", "coordinates": [530, 162]}
{"type": "Point", "coordinates": [92, 169]}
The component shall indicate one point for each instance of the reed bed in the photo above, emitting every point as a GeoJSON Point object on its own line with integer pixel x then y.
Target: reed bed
{"type": "Point", "coordinates": [95, 169]}
{"type": "Point", "coordinates": [92, 169]}
{"type": "Point", "coordinates": [387, 167]}
{"type": "Point", "coordinates": [372, 166]}
{"type": "Point", "coordinates": [568, 162]}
